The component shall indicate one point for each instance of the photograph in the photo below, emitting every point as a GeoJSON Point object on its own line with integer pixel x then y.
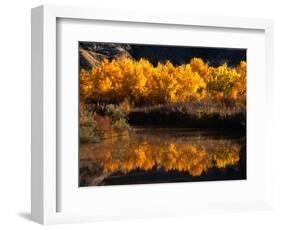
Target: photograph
{"type": "Point", "coordinates": [151, 113]}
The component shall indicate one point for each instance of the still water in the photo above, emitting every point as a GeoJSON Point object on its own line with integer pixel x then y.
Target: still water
{"type": "Point", "coordinates": [163, 155]}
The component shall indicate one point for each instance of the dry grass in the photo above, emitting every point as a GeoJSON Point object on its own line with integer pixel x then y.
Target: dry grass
{"type": "Point", "coordinates": [225, 114]}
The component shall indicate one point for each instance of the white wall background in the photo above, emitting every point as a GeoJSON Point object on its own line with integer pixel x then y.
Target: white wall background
{"type": "Point", "coordinates": [15, 113]}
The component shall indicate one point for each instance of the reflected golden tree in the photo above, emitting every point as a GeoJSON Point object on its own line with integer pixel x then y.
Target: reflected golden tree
{"type": "Point", "coordinates": [148, 152]}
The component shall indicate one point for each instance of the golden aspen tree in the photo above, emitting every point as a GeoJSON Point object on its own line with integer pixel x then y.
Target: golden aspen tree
{"type": "Point", "coordinates": [139, 82]}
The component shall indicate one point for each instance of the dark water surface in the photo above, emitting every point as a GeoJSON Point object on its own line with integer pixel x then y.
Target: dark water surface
{"type": "Point", "coordinates": [163, 155]}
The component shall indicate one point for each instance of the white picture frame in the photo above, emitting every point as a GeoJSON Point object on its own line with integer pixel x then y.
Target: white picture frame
{"type": "Point", "coordinates": [45, 163]}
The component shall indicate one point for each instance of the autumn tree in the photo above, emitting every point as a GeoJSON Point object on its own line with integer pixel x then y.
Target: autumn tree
{"type": "Point", "coordinates": [139, 82]}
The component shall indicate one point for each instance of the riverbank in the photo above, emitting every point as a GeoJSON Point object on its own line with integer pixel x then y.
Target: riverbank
{"type": "Point", "coordinates": [99, 122]}
{"type": "Point", "coordinates": [221, 115]}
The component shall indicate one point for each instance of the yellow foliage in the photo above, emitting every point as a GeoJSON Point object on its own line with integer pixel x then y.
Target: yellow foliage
{"type": "Point", "coordinates": [141, 82]}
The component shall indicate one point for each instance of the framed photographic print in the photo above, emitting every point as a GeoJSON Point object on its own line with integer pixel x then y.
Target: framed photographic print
{"type": "Point", "coordinates": [160, 114]}
{"type": "Point", "coordinates": [140, 114]}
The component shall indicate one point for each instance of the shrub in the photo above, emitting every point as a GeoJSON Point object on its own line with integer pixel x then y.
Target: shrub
{"type": "Point", "coordinates": [99, 122]}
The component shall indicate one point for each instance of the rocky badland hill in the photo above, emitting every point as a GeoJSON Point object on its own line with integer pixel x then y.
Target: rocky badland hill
{"type": "Point", "coordinates": [92, 53]}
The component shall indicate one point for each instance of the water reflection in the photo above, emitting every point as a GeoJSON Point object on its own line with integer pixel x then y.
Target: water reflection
{"type": "Point", "coordinates": [189, 153]}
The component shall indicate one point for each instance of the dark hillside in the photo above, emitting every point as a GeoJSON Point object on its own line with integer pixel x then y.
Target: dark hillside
{"type": "Point", "coordinates": [154, 53]}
